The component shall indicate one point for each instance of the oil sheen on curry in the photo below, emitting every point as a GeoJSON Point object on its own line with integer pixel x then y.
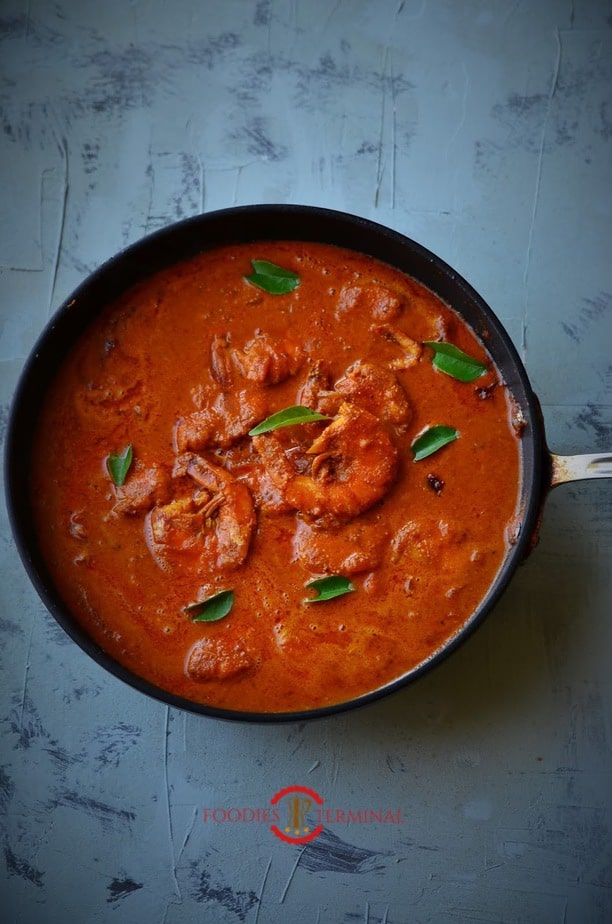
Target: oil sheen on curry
{"type": "Point", "coordinates": [275, 565]}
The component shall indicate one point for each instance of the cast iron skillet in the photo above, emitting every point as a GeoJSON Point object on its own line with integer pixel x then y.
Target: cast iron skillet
{"type": "Point", "coordinates": [541, 469]}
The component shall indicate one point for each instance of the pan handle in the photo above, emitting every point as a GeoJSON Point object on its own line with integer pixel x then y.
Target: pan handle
{"type": "Point", "coordinates": [577, 468]}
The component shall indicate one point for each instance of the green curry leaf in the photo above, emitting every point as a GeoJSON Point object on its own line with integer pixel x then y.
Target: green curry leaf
{"type": "Point", "coordinates": [297, 414]}
{"type": "Point", "coordinates": [454, 362]}
{"type": "Point", "coordinates": [272, 278]}
{"type": "Point", "coordinates": [329, 587]}
{"type": "Point", "coordinates": [213, 608]}
{"type": "Point", "coordinates": [118, 465]}
{"type": "Point", "coordinates": [431, 440]}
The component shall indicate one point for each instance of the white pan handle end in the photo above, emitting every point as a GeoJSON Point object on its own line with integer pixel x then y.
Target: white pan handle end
{"type": "Point", "coordinates": [580, 467]}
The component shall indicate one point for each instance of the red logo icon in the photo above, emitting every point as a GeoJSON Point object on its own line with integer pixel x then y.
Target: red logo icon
{"type": "Point", "coordinates": [297, 802]}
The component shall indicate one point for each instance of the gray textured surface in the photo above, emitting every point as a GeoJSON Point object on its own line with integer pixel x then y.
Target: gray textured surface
{"type": "Point", "coordinates": [483, 130]}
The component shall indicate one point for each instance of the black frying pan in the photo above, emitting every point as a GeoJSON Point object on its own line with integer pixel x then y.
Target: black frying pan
{"type": "Point", "coordinates": [541, 468]}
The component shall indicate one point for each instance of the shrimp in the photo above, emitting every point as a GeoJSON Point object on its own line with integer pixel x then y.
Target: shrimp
{"type": "Point", "coordinates": [353, 464]}
{"type": "Point", "coordinates": [377, 301]}
{"type": "Point", "coordinates": [374, 388]}
{"type": "Point", "coordinates": [350, 549]}
{"type": "Point", "coordinates": [217, 659]}
{"type": "Point", "coordinates": [221, 360]}
{"type": "Point", "coordinates": [411, 349]}
{"type": "Point", "coordinates": [214, 524]}
{"type": "Point", "coordinates": [268, 361]}
{"type": "Point", "coordinates": [377, 390]}
{"type": "Point", "coordinates": [263, 359]}
{"type": "Point", "coordinates": [145, 487]}
{"type": "Point", "coordinates": [317, 393]}
{"type": "Point", "coordinates": [223, 420]}
{"type": "Point", "coordinates": [266, 496]}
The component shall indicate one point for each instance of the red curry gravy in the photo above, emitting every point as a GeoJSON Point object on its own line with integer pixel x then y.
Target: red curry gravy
{"type": "Point", "coordinates": [181, 369]}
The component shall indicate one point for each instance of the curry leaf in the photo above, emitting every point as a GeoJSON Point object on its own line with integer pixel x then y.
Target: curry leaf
{"type": "Point", "coordinates": [431, 440]}
{"type": "Point", "coordinates": [297, 414]}
{"type": "Point", "coordinates": [213, 608]}
{"type": "Point", "coordinates": [454, 362]}
{"type": "Point", "coordinates": [118, 465]}
{"type": "Point", "coordinates": [329, 587]}
{"type": "Point", "coordinates": [272, 278]}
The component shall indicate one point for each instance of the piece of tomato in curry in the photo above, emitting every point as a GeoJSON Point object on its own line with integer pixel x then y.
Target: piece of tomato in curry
{"type": "Point", "coordinates": [181, 369]}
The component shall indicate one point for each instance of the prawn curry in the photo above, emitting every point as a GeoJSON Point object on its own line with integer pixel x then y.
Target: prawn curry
{"type": "Point", "coordinates": [276, 476]}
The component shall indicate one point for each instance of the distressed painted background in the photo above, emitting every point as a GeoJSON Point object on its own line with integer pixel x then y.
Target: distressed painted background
{"type": "Point", "coordinates": [482, 128]}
